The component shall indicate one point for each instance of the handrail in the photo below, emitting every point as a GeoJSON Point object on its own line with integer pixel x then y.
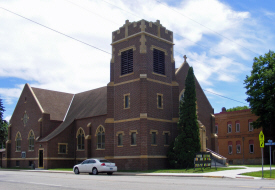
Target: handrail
{"type": "Point", "coordinates": [207, 149]}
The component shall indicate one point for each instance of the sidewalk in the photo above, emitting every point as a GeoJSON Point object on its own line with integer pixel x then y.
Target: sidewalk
{"type": "Point", "coordinates": [219, 174]}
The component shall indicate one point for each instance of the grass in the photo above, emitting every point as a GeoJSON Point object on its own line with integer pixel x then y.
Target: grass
{"type": "Point", "coordinates": [259, 174]}
{"type": "Point", "coordinates": [62, 169]}
{"type": "Point", "coordinates": [16, 168]}
{"type": "Point", "coordinates": [265, 165]}
{"type": "Point", "coordinates": [189, 170]}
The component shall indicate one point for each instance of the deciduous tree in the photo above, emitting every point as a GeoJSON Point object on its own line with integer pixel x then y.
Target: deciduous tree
{"type": "Point", "coordinates": [260, 87]}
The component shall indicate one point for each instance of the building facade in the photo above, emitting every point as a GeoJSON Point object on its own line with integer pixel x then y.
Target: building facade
{"type": "Point", "coordinates": [238, 141]}
{"type": "Point", "coordinates": [131, 121]}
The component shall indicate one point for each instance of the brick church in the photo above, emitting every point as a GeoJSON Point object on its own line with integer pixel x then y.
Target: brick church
{"type": "Point", "coordinates": [131, 121]}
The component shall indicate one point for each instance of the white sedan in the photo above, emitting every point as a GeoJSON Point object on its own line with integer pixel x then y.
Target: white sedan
{"type": "Point", "coordinates": [95, 166]}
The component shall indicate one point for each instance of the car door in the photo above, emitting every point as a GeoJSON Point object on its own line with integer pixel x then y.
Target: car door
{"type": "Point", "coordinates": [83, 166]}
{"type": "Point", "coordinates": [90, 166]}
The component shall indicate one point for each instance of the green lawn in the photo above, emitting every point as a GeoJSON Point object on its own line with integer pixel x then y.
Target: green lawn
{"type": "Point", "coordinates": [259, 174]}
{"type": "Point", "coordinates": [16, 168]}
{"type": "Point", "coordinates": [62, 169]}
{"type": "Point", "coordinates": [190, 170]}
{"type": "Point", "coordinates": [266, 165]}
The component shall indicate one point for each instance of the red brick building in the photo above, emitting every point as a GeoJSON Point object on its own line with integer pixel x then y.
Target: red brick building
{"type": "Point", "coordinates": [237, 140]}
{"type": "Point", "coordinates": [131, 121]}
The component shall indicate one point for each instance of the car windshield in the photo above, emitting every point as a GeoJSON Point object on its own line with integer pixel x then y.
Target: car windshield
{"type": "Point", "coordinates": [105, 161]}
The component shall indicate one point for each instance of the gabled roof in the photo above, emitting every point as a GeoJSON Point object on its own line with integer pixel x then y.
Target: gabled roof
{"type": "Point", "coordinates": [86, 104]}
{"type": "Point", "coordinates": [53, 102]}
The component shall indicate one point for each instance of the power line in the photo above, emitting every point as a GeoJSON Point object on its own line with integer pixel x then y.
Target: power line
{"type": "Point", "coordinates": [93, 46]}
{"type": "Point", "coordinates": [175, 33]}
{"type": "Point", "coordinates": [224, 97]}
{"type": "Point", "coordinates": [55, 31]}
{"type": "Point", "coordinates": [206, 27]}
{"type": "Point", "coordinates": [84, 8]}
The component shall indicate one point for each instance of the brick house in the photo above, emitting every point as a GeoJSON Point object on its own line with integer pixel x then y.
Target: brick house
{"type": "Point", "coordinates": [131, 121]}
{"type": "Point", "coordinates": [237, 140]}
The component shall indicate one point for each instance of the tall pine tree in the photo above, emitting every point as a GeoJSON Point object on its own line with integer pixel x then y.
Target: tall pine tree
{"type": "Point", "coordinates": [3, 126]}
{"type": "Point", "coordinates": [187, 144]}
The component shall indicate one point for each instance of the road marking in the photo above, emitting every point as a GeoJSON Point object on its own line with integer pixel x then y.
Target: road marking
{"type": "Point", "coordinates": [13, 181]}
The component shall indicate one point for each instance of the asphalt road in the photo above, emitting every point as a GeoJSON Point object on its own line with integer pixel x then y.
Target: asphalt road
{"type": "Point", "coordinates": [42, 180]}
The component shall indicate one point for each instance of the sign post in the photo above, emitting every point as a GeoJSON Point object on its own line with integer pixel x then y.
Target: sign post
{"type": "Point", "coordinates": [270, 143]}
{"type": "Point", "coordinates": [261, 139]}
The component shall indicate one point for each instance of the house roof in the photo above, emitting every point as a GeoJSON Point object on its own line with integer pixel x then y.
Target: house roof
{"type": "Point", "coordinates": [86, 104]}
{"type": "Point", "coordinates": [53, 102]}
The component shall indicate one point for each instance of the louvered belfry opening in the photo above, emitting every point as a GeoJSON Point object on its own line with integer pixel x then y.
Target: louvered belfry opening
{"type": "Point", "coordinates": [159, 66]}
{"type": "Point", "coordinates": [127, 62]}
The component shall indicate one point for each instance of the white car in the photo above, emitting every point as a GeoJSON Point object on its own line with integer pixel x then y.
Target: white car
{"type": "Point", "coordinates": [95, 166]}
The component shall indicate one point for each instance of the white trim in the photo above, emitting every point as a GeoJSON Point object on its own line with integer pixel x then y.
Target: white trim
{"type": "Point", "coordinates": [68, 108]}
{"type": "Point", "coordinates": [38, 103]}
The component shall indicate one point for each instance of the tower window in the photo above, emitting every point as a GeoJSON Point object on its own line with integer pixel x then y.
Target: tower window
{"type": "Point", "coordinates": [154, 138]}
{"type": "Point", "coordinates": [120, 139]}
{"type": "Point", "coordinates": [159, 60]}
{"type": "Point", "coordinates": [127, 62]}
{"type": "Point", "coordinates": [126, 101]}
{"type": "Point", "coordinates": [159, 101]}
{"type": "Point", "coordinates": [133, 138]}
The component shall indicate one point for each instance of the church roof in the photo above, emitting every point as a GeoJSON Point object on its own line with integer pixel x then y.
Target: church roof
{"type": "Point", "coordinates": [53, 102]}
{"type": "Point", "coordinates": [86, 104]}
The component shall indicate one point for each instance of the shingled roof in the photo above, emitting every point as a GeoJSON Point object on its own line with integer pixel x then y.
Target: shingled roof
{"type": "Point", "coordinates": [86, 104]}
{"type": "Point", "coordinates": [53, 102]}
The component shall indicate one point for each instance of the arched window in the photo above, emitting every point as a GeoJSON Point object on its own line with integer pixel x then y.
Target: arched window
{"type": "Point", "coordinates": [31, 140]}
{"type": "Point", "coordinates": [18, 141]}
{"type": "Point", "coordinates": [80, 139]}
{"type": "Point", "coordinates": [100, 133]}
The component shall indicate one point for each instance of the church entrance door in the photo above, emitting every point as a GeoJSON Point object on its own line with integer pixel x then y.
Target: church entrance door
{"type": "Point", "coordinates": [40, 156]}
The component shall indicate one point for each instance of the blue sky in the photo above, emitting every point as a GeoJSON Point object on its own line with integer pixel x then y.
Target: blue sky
{"type": "Point", "coordinates": [220, 39]}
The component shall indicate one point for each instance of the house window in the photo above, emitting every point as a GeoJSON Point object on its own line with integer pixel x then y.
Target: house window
{"type": "Point", "coordinates": [159, 61]}
{"type": "Point", "coordinates": [18, 141]}
{"type": "Point", "coordinates": [119, 140]}
{"type": "Point", "coordinates": [23, 154]}
{"type": "Point", "coordinates": [159, 101]}
{"type": "Point", "coordinates": [100, 137]}
{"type": "Point", "coordinates": [80, 139]}
{"type": "Point", "coordinates": [216, 128]}
{"type": "Point", "coordinates": [133, 138]}
{"type": "Point", "coordinates": [251, 146]}
{"type": "Point", "coordinates": [166, 138]}
{"type": "Point", "coordinates": [30, 163]}
{"type": "Point", "coordinates": [230, 147]}
{"type": "Point", "coordinates": [62, 149]}
{"type": "Point", "coordinates": [237, 127]}
{"type": "Point", "coordinates": [17, 163]}
{"type": "Point", "coordinates": [229, 128]}
{"type": "Point", "coordinates": [250, 125]}
{"type": "Point", "coordinates": [31, 141]}
{"type": "Point", "coordinates": [127, 62]}
{"type": "Point", "coordinates": [238, 147]}
{"type": "Point", "coordinates": [126, 101]}
{"type": "Point", "coordinates": [154, 138]}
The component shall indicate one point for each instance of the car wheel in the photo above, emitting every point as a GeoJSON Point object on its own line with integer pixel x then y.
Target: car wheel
{"type": "Point", "coordinates": [110, 173]}
{"type": "Point", "coordinates": [76, 171]}
{"type": "Point", "coordinates": [94, 171]}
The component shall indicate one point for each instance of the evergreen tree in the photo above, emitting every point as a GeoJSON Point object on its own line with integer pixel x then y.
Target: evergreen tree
{"type": "Point", "coordinates": [3, 126]}
{"type": "Point", "coordinates": [187, 143]}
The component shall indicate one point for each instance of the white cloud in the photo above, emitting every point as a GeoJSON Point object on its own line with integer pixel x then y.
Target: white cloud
{"type": "Point", "coordinates": [7, 118]}
{"type": "Point", "coordinates": [49, 60]}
